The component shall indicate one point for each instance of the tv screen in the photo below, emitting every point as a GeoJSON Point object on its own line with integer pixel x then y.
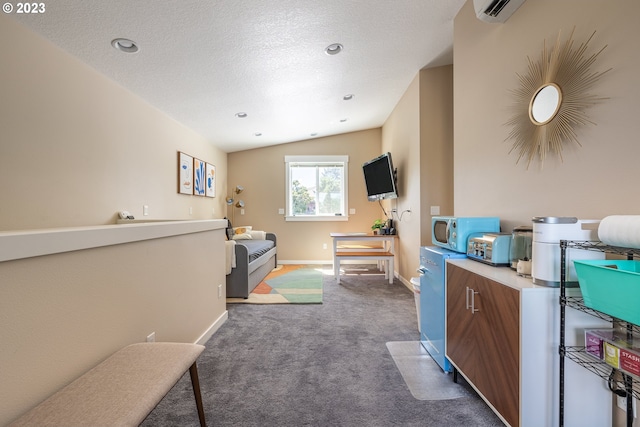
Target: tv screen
{"type": "Point", "coordinates": [380, 179]}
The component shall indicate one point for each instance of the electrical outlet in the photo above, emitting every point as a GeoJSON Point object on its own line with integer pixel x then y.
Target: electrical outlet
{"type": "Point", "coordinates": [219, 291]}
{"type": "Point", "coordinates": [241, 211]}
{"type": "Point", "coordinates": [324, 246]}
{"type": "Point", "coordinates": [151, 337]}
{"type": "Point", "coordinates": [435, 210]}
{"type": "Point", "coordinates": [145, 210]}
{"type": "Point", "coordinates": [280, 211]}
{"type": "Point", "coordinates": [622, 404]}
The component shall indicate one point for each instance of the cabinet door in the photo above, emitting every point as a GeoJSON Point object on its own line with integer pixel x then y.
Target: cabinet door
{"type": "Point", "coordinates": [461, 340]}
{"type": "Point", "coordinates": [485, 344]}
{"type": "Point", "coordinates": [498, 335]}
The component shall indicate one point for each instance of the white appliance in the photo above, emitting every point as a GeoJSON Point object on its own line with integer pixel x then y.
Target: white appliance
{"type": "Point", "coordinates": [547, 233]}
{"type": "Point", "coordinates": [496, 11]}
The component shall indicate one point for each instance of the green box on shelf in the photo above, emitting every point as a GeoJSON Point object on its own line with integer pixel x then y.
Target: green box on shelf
{"type": "Point", "coordinates": [611, 286]}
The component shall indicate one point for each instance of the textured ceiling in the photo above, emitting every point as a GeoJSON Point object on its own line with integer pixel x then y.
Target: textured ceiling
{"type": "Point", "coordinates": [201, 62]}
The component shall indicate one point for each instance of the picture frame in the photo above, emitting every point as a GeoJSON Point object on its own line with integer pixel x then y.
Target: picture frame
{"type": "Point", "coordinates": [210, 180]}
{"type": "Point", "coordinates": [185, 173]}
{"type": "Point", "coordinates": [199, 177]}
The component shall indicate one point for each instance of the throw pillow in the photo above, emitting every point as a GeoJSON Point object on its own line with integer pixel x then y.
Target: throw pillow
{"type": "Point", "coordinates": [242, 233]}
{"type": "Point", "coordinates": [242, 230]}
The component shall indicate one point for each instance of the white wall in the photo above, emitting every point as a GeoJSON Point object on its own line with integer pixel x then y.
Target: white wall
{"type": "Point", "coordinates": [594, 180]}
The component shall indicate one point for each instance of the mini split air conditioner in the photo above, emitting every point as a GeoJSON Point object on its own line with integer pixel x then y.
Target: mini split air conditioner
{"type": "Point", "coordinates": [496, 11]}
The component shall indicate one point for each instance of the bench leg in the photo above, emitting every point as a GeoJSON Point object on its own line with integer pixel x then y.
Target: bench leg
{"type": "Point", "coordinates": [195, 382]}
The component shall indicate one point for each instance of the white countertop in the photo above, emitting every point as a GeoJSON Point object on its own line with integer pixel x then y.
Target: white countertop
{"type": "Point", "coordinates": [504, 275]}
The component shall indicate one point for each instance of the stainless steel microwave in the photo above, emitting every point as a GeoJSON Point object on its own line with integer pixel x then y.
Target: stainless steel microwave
{"type": "Point", "coordinates": [452, 232]}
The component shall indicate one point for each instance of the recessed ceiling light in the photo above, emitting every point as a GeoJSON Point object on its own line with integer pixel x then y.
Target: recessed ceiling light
{"type": "Point", "coordinates": [333, 49]}
{"type": "Point", "coordinates": [348, 97]}
{"type": "Point", "coordinates": [241, 115]}
{"type": "Point", "coordinates": [125, 45]}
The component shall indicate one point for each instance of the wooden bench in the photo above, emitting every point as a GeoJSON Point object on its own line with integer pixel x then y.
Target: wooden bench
{"type": "Point", "coordinates": [387, 257]}
{"type": "Point", "coordinates": [122, 390]}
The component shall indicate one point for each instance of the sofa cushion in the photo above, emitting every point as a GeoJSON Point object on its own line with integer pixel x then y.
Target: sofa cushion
{"type": "Point", "coordinates": [256, 248]}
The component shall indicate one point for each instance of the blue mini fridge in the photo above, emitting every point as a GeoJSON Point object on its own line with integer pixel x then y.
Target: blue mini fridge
{"type": "Point", "coordinates": [432, 301]}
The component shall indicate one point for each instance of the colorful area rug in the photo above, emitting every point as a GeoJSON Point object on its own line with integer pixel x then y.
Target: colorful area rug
{"type": "Point", "coordinates": [287, 284]}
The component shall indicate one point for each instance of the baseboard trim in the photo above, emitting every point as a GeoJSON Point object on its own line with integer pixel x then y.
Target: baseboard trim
{"type": "Point", "coordinates": [213, 328]}
{"type": "Point", "coordinates": [405, 282]}
{"type": "Point", "coordinates": [321, 262]}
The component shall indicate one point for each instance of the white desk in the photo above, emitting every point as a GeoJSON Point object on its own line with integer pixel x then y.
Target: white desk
{"type": "Point", "coordinates": [384, 253]}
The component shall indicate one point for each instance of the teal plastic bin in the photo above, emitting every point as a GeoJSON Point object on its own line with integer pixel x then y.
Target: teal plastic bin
{"type": "Point", "coordinates": [611, 286]}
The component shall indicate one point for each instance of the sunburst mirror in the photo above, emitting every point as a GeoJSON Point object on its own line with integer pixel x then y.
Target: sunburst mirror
{"type": "Point", "coordinates": [552, 100]}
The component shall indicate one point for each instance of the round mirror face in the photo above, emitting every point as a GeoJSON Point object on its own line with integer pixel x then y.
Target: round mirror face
{"type": "Point", "coordinates": [545, 104]}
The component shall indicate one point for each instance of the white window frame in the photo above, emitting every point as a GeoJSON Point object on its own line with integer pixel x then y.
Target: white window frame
{"type": "Point", "coordinates": [316, 160]}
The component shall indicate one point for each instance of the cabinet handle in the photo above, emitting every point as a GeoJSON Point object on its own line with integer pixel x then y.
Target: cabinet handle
{"type": "Point", "coordinates": [473, 302]}
{"type": "Point", "coordinates": [466, 305]}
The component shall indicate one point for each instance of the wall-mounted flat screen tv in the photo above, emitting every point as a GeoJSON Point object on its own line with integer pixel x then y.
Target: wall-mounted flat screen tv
{"type": "Point", "coordinates": [380, 178]}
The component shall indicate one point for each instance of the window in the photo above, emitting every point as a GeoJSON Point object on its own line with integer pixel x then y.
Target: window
{"type": "Point", "coordinates": [316, 188]}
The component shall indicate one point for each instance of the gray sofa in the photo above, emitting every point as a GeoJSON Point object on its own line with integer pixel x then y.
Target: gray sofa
{"type": "Point", "coordinates": [255, 258]}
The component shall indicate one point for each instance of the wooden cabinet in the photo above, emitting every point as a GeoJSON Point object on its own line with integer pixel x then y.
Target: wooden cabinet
{"type": "Point", "coordinates": [483, 336]}
{"type": "Point", "coordinates": [502, 335]}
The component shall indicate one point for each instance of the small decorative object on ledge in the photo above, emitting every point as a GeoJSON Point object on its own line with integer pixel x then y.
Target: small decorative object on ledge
{"type": "Point", "coordinates": [552, 99]}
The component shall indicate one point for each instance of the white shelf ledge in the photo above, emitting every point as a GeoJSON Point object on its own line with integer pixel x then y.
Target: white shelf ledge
{"type": "Point", "coordinates": [32, 243]}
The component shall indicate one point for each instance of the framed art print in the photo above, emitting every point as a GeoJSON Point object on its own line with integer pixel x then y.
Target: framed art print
{"type": "Point", "coordinates": [185, 173]}
{"type": "Point", "coordinates": [199, 179]}
{"type": "Point", "coordinates": [211, 180]}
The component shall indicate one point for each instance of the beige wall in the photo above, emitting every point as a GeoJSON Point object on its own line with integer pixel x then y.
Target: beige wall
{"type": "Point", "coordinates": [401, 137]}
{"type": "Point", "coordinates": [596, 179]}
{"type": "Point", "coordinates": [419, 135]}
{"type": "Point", "coordinates": [76, 148]}
{"type": "Point", "coordinates": [262, 174]}
{"type": "Point", "coordinates": [61, 314]}
{"type": "Point", "coordinates": [436, 142]}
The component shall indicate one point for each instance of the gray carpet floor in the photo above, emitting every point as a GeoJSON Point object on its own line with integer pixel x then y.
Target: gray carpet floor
{"type": "Point", "coordinates": [317, 365]}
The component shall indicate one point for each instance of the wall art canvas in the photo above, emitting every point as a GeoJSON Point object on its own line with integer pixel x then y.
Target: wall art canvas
{"type": "Point", "coordinates": [211, 180]}
{"type": "Point", "coordinates": [185, 173]}
{"type": "Point", "coordinates": [199, 178]}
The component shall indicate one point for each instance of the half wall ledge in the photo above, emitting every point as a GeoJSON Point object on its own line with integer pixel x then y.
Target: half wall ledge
{"type": "Point", "coordinates": [16, 245]}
